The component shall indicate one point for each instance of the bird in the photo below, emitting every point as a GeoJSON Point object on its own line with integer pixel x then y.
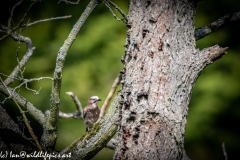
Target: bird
{"type": "Point", "coordinates": [91, 112]}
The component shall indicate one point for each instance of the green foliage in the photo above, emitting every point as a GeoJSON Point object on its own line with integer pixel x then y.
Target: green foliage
{"type": "Point", "coordinates": [214, 109]}
{"type": "Point", "coordinates": [93, 62]}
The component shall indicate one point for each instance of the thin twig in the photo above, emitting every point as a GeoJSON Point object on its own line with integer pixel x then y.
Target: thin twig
{"type": "Point", "coordinates": [11, 13]}
{"type": "Point", "coordinates": [26, 81]}
{"type": "Point", "coordinates": [24, 118]}
{"type": "Point", "coordinates": [69, 2]}
{"type": "Point", "coordinates": [216, 25]}
{"type": "Point", "coordinates": [108, 4]}
{"type": "Point", "coordinates": [22, 63]}
{"type": "Point", "coordinates": [110, 95]}
{"type": "Point", "coordinates": [45, 20]}
{"type": "Point", "coordinates": [32, 110]}
{"type": "Point", "coordinates": [224, 151]}
{"type": "Point", "coordinates": [77, 103]}
{"type": "Point", "coordinates": [77, 114]}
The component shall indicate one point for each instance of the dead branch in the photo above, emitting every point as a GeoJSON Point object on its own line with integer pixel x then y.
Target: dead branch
{"type": "Point", "coordinates": [45, 20]}
{"type": "Point", "coordinates": [110, 95]}
{"type": "Point", "coordinates": [77, 103]}
{"type": "Point", "coordinates": [69, 2]}
{"type": "Point", "coordinates": [32, 110]}
{"type": "Point", "coordinates": [216, 25]}
{"type": "Point", "coordinates": [26, 81]}
{"type": "Point", "coordinates": [49, 136]}
{"type": "Point", "coordinates": [224, 151]}
{"type": "Point", "coordinates": [108, 4]}
{"type": "Point", "coordinates": [11, 13]}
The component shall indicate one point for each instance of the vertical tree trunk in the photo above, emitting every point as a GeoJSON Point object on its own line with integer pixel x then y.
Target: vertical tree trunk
{"type": "Point", "coordinates": [158, 79]}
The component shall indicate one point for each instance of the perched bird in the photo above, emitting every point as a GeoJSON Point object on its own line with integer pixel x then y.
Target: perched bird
{"type": "Point", "coordinates": [91, 112]}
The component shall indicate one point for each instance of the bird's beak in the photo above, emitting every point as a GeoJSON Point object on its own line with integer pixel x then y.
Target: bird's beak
{"type": "Point", "coordinates": [97, 100]}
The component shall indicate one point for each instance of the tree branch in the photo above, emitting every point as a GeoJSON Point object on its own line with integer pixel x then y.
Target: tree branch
{"type": "Point", "coordinates": [50, 136]}
{"type": "Point", "coordinates": [224, 151]}
{"type": "Point", "coordinates": [110, 94]}
{"type": "Point", "coordinates": [77, 103]}
{"type": "Point", "coordinates": [69, 2]}
{"type": "Point", "coordinates": [203, 58]}
{"type": "Point", "coordinates": [216, 25]}
{"type": "Point", "coordinates": [45, 20]}
{"type": "Point", "coordinates": [33, 111]}
{"type": "Point", "coordinates": [22, 63]}
{"type": "Point", "coordinates": [11, 13]}
{"type": "Point", "coordinates": [109, 3]}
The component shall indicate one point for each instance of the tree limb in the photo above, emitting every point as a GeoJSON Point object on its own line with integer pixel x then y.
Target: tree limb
{"type": "Point", "coordinates": [224, 151]}
{"type": "Point", "coordinates": [11, 13]}
{"type": "Point", "coordinates": [77, 103]}
{"type": "Point", "coordinates": [45, 20]}
{"type": "Point", "coordinates": [50, 136]}
{"type": "Point", "coordinates": [207, 56]}
{"type": "Point", "coordinates": [69, 2]}
{"type": "Point", "coordinates": [110, 94]}
{"type": "Point", "coordinates": [108, 4]}
{"type": "Point", "coordinates": [33, 111]}
{"type": "Point", "coordinates": [216, 25]}
{"type": "Point", "coordinates": [22, 63]}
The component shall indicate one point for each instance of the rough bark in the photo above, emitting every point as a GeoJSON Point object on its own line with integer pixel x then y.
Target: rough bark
{"type": "Point", "coordinates": [161, 66]}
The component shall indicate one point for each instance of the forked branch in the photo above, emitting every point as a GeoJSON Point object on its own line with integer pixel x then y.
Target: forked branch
{"type": "Point", "coordinates": [50, 135]}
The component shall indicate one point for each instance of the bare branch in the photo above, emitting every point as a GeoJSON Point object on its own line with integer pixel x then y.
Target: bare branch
{"type": "Point", "coordinates": [77, 103]}
{"type": "Point", "coordinates": [49, 137]}
{"type": "Point", "coordinates": [207, 56]}
{"type": "Point", "coordinates": [11, 13]}
{"type": "Point", "coordinates": [77, 114]}
{"type": "Point", "coordinates": [22, 63]}
{"type": "Point", "coordinates": [110, 95]}
{"type": "Point", "coordinates": [33, 111]}
{"type": "Point", "coordinates": [69, 2]}
{"type": "Point", "coordinates": [216, 25]}
{"type": "Point", "coordinates": [108, 4]}
{"type": "Point", "coordinates": [24, 118]}
{"type": "Point", "coordinates": [224, 151]}
{"type": "Point", "coordinates": [26, 81]}
{"type": "Point", "coordinates": [45, 20]}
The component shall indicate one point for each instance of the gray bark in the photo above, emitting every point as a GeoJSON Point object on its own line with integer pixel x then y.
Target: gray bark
{"type": "Point", "coordinates": [161, 65]}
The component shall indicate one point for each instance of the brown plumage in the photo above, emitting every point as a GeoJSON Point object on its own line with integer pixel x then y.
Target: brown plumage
{"type": "Point", "coordinates": [91, 112]}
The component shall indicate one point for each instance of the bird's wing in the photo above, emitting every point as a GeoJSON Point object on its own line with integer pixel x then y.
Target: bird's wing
{"type": "Point", "coordinates": [84, 113]}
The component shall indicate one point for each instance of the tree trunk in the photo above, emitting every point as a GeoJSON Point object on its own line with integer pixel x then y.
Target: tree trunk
{"type": "Point", "coordinates": [161, 66]}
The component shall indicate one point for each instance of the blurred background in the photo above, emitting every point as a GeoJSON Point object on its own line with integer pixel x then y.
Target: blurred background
{"type": "Point", "coordinates": [93, 62]}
